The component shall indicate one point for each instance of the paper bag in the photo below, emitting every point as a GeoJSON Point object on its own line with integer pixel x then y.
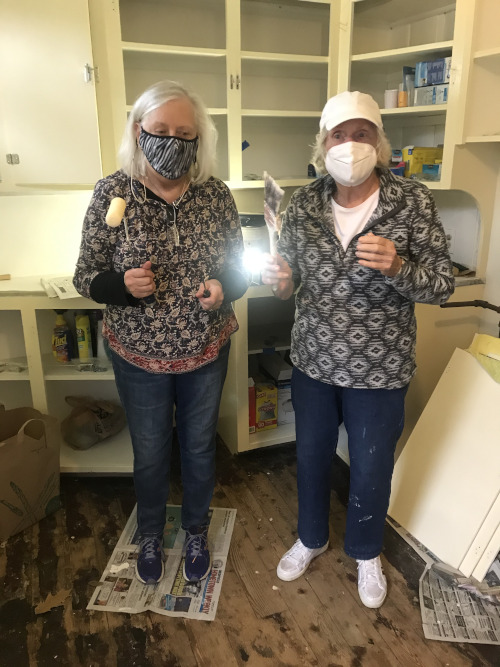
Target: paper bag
{"type": "Point", "coordinates": [29, 468]}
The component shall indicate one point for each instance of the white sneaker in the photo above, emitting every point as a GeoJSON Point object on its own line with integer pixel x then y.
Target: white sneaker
{"type": "Point", "coordinates": [296, 561]}
{"type": "Point", "coordinates": [372, 584]}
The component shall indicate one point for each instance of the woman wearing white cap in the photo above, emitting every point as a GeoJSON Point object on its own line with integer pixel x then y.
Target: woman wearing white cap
{"type": "Point", "coordinates": [359, 246]}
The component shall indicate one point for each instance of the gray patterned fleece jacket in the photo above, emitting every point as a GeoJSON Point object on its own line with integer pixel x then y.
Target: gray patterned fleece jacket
{"type": "Point", "coordinates": [353, 326]}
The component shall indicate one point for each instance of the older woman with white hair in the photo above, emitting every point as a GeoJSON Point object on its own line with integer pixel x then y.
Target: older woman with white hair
{"type": "Point", "coordinates": [359, 246]}
{"type": "Point", "coordinates": [162, 248]}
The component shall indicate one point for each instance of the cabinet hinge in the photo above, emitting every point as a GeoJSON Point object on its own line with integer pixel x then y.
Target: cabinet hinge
{"type": "Point", "coordinates": [90, 72]}
{"type": "Point", "coordinates": [12, 158]}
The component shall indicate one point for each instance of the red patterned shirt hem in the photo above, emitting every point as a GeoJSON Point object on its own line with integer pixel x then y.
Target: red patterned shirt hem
{"type": "Point", "coordinates": [210, 353]}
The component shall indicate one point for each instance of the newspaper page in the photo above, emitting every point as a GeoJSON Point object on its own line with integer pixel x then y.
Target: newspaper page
{"type": "Point", "coordinates": [119, 590]}
{"type": "Point", "coordinates": [451, 612]}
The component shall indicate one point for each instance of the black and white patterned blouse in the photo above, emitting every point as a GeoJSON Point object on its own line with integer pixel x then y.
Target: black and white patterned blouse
{"type": "Point", "coordinates": [353, 326]}
{"type": "Point", "coordinates": [171, 332]}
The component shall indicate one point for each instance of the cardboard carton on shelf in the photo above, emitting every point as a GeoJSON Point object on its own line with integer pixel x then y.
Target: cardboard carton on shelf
{"type": "Point", "coordinates": [432, 72]}
{"type": "Point", "coordinates": [431, 95]}
{"type": "Point", "coordinates": [251, 405]}
{"type": "Point", "coordinates": [266, 406]}
{"type": "Point", "coordinates": [286, 414]}
{"type": "Point", "coordinates": [415, 156]}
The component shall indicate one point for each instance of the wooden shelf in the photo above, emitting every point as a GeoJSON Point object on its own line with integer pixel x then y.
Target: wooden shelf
{"type": "Point", "coordinates": [282, 182]}
{"type": "Point", "coordinates": [426, 110]}
{"type": "Point", "coordinates": [138, 47]}
{"type": "Point", "coordinates": [111, 456]}
{"type": "Point", "coordinates": [273, 436]}
{"type": "Point", "coordinates": [284, 57]}
{"type": "Point", "coordinates": [396, 55]}
{"type": "Point", "coordinates": [487, 53]}
{"type": "Point", "coordinates": [57, 371]}
{"type": "Point", "coordinates": [213, 111]}
{"type": "Point", "coordinates": [275, 113]}
{"type": "Point", "coordinates": [483, 139]}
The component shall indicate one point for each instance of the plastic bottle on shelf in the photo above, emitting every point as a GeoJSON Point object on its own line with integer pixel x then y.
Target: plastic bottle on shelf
{"type": "Point", "coordinates": [83, 337]}
{"type": "Point", "coordinates": [402, 96]}
{"type": "Point", "coordinates": [62, 340]}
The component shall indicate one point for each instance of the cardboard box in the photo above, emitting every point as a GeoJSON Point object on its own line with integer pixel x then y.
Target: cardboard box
{"type": "Point", "coordinates": [433, 171]}
{"type": "Point", "coordinates": [275, 366]}
{"type": "Point", "coordinates": [266, 406]}
{"type": "Point", "coordinates": [286, 414]}
{"type": "Point", "coordinates": [415, 156]}
{"type": "Point", "coordinates": [431, 95]}
{"type": "Point", "coordinates": [432, 72]}
{"type": "Point", "coordinates": [251, 405]}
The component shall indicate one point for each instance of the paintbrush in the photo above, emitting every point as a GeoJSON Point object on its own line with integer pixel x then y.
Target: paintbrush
{"type": "Point", "coordinates": [273, 196]}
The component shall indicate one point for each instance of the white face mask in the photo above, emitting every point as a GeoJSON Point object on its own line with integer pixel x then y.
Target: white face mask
{"type": "Point", "coordinates": [351, 163]}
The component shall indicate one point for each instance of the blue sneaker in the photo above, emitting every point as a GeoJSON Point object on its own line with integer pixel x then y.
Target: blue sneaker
{"type": "Point", "coordinates": [197, 558]}
{"type": "Point", "coordinates": [150, 562]}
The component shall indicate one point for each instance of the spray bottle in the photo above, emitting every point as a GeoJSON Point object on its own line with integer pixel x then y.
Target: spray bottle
{"type": "Point", "coordinates": [62, 341]}
{"type": "Point", "coordinates": [83, 336]}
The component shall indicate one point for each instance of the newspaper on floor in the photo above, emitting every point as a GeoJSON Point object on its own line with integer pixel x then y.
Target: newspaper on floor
{"type": "Point", "coordinates": [119, 590]}
{"type": "Point", "coordinates": [455, 610]}
{"type": "Point", "coordinates": [477, 603]}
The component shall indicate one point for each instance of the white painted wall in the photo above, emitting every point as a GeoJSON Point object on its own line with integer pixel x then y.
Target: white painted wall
{"type": "Point", "coordinates": [40, 234]}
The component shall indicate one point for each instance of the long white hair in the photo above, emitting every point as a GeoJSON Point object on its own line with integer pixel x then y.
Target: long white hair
{"type": "Point", "coordinates": [132, 160]}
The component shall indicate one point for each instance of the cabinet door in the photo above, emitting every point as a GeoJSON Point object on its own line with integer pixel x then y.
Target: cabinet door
{"type": "Point", "coordinates": [49, 115]}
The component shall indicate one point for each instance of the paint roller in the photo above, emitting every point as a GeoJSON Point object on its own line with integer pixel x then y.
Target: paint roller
{"type": "Point", "coordinates": [114, 216]}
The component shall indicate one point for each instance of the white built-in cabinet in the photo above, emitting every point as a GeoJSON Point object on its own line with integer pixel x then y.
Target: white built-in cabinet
{"type": "Point", "coordinates": [33, 377]}
{"type": "Point", "coordinates": [385, 37]}
{"type": "Point", "coordinates": [264, 69]}
{"type": "Point", "coordinates": [48, 114]}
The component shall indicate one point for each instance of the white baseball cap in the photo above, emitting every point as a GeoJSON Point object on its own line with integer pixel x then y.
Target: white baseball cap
{"type": "Point", "coordinates": [346, 106]}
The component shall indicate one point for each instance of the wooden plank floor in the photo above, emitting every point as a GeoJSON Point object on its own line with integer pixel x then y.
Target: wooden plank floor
{"type": "Point", "coordinates": [315, 620]}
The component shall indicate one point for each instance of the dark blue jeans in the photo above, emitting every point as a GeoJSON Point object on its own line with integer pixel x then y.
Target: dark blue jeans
{"type": "Point", "coordinates": [374, 420]}
{"type": "Point", "coordinates": [149, 400]}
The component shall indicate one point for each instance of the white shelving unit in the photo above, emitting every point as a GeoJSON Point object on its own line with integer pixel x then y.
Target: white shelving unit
{"type": "Point", "coordinates": [385, 37]}
{"type": "Point", "coordinates": [26, 320]}
{"type": "Point", "coordinates": [264, 68]}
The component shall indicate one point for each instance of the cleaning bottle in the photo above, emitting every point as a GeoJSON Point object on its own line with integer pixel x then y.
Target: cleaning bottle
{"type": "Point", "coordinates": [62, 341]}
{"type": "Point", "coordinates": [83, 337]}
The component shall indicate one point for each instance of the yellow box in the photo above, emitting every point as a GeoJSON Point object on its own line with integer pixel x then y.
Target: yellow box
{"type": "Point", "coordinates": [266, 406]}
{"type": "Point", "coordinates": [415, 156]}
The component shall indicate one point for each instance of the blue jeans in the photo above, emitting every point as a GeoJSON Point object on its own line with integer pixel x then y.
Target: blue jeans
{"type": "Point", "coordinates": [374, 420]}
{"type": "Point", "coordinates": [149, 400]}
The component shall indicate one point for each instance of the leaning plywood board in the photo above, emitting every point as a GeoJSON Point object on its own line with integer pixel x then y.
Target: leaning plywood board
{"type": "Point", "coordinates": [446, 484]}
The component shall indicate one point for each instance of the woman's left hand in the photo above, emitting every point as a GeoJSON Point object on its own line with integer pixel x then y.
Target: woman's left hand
{"type": "Point", "coordinates": [378, 253]}
{"type": "Point", "coordinates": [216, 297]}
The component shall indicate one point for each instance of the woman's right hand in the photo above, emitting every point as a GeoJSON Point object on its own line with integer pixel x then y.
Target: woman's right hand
{"type": "Point", "coordinates": [277, 273]}
{"type": "Point", "coordinates": [140, 282]}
